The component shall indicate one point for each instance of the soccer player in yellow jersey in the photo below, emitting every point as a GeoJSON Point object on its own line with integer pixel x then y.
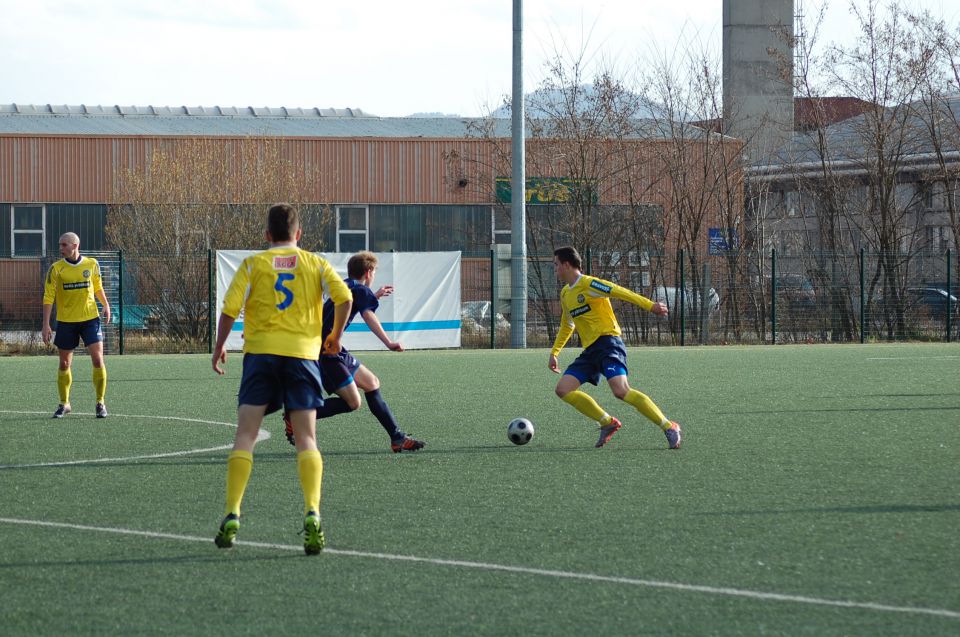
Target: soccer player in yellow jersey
{"type": "Point", "coordinates": [73, 283]}
{"type": "Point", "coordinates": [585, 301]}
{"type": "Point", "coordinates": [280, 292]}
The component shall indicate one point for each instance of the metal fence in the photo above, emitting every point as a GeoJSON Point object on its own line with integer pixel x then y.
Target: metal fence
{"type": "Point", "coordinates": [159, 303]}
{"type": "Point", "coordinates": [745, 298]}
{"type": "Point", "coordinates": [162, 303]}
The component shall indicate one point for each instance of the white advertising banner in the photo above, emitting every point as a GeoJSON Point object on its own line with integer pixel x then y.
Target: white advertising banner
{"type": "Point", "coordinates": [422, 313]}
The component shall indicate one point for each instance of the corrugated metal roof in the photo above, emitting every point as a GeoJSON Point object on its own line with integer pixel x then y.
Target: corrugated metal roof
{"type": "Point", "coordinates": [217, 121]}
{"type": "Point", "coordinates": [850, 140]}
{"type": "Point", "coordinates": [173, 111]}
{"type": "Point", "coordinates": [223, 121]}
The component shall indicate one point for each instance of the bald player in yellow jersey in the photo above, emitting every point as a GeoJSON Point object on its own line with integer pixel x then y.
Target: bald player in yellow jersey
{"type": "Point", "coordinates": [586, 308]}
{"type": "Point", "coordinates": [74, 284]}
{"type": "Point", "coordinates": [281, 292]}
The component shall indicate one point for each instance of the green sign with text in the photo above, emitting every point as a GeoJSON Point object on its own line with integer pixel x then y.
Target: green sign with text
{"type": "Point", "coordinates": [547, 190]}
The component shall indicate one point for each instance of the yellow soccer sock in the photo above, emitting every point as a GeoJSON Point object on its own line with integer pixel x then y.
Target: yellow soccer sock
{"type": "Point", "coordinates": [64, 380]}
{"type": "Point", "coordinates": [586, 405]}
{"type": "Point", "coordinates": [310, 468]}
{"type": "Point", "coordinates": [239, 467]}
{"type": "Point", "coordinates": [100, 382]}
{"type": "Point", "coordinates": [647, 407]}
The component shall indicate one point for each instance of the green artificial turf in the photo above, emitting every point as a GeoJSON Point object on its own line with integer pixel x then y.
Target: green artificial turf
{"type": "Point", "coordinates": [817, 493]}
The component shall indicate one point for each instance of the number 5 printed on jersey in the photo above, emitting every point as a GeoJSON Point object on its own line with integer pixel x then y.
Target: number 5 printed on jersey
{"type": "Point", "coordinates": [283, 277]}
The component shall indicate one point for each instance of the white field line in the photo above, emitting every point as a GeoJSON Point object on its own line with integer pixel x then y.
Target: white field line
{"type": "Point", "coordinates": [522, 570]}
{"type": "Point", "coordinates": [905, 358]}
{"type": "Point", "coordinates": [263, 435]}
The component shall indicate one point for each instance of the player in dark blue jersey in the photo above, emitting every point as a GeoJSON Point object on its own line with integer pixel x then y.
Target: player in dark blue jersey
{"type": "Point", "coordinates": [343, 374]}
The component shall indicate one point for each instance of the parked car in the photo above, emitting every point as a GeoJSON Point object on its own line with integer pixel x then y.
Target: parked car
{"type": "Point", "coordinates": [933, 301]}
{"type": "Point", "coordinates": [670, 296]}
{"type": "Point", "coordinates": [475, 317]}
{"type": "Point", "coordinates": [796, 291]}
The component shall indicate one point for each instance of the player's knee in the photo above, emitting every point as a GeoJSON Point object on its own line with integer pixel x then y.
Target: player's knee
{"type": "Point", "coordinates": [621, 392]}
{"type": "Point", "coordinates": [561, 391]}
{"type": "Point", "coordinates": [353, 402]}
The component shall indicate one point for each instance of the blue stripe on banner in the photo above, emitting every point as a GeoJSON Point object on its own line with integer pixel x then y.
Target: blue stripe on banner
{"type": "Point", "coordinates": [409, 326]}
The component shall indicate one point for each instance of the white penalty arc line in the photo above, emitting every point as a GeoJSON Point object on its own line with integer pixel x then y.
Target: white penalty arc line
{"type": "Point", "coordinates": [261, 436]}
{"type": "Point", "coordinates": [522, 570]}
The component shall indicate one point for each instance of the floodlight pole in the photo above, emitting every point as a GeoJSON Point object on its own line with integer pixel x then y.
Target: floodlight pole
{"type": "Point", "coordinates": [518, 196]}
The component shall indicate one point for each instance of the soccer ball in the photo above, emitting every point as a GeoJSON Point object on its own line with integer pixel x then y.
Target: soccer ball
{"type": "Point", "coordinates": [520, 431]}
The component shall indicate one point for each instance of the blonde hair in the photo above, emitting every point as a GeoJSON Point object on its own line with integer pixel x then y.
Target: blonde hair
{"type": "Point", "coordinates": [361, 263]}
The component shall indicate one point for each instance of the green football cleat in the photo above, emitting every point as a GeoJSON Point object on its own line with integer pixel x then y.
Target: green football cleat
{"type": "Point", "coordinates": [313, 540]}
{"type": "Point", "coordinates": [228, 532]}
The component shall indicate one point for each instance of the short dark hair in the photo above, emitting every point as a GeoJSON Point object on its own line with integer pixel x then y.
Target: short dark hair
{"type": "Point", "coordinates": [283, 220]}
{"type": "Point", "coordinates": [361, 263]}
{"type": "Point", "coordinates": [568, 254]}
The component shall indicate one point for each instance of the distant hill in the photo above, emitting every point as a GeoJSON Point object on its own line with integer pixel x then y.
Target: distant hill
{"type": "Point", "coordinates": [536, 103]}
{"type": "Point", "coordinates": [434, 115]}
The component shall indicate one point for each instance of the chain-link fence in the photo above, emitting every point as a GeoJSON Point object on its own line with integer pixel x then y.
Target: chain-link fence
{"type": "Point", "coordinates": [159, 303]}
{"type": "Point", "coordinates": [162, 303]}
{"type": "Point", "coordinates": [739, 298]}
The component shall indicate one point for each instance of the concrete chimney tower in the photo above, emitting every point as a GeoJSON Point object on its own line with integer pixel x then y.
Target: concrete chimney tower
{"type": "Point", "coordinates": [758, 74]}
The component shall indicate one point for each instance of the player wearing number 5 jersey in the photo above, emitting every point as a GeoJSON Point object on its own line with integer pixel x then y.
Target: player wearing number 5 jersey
{"type": "Point", "coordinates": [280, 292]}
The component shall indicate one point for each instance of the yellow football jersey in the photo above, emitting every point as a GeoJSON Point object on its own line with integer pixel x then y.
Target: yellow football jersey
{"type": "Point", "coordinates": [281, 293]}
{"type": "Point", "coordinates": [72, 287]}
{"type": "Point", "coordinates": [586, 309]}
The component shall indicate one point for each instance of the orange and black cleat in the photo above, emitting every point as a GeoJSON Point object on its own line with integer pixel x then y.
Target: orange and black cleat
{"type": "Point", "coordinates": [407, 444]}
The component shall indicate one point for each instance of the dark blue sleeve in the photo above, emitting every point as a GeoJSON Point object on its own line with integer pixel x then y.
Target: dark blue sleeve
{"type": "Point", "coordinates": [364, 299]}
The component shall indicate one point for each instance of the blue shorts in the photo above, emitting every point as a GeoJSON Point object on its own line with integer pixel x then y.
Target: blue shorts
{"type": "Point", "coordinates": [69, 334]}
{"type": "Point", "coordinates": [606, 356]}
{"type": "Point", "coordinates": [337, 371]}
{"type": "Point", "coordinates": [280, 381]}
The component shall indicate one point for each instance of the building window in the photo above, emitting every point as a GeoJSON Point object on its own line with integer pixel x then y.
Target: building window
{"type": "Point", "coordinates": [353, 223]}
{"type": "Point", "coordinates": [792, 203]}
{"type": "Point", "coordinates": [502, 226]}
{"type": "Point", "coordinates": [27, 231]}
{"type": "Point", "coordinates": [639, 280]}
{"type": "Point", "coordinates": [939, 238]}
{"type": "Point", "coordinates": [924, 195]}
{"type": "Point", "coordinates": [610, 259]}
{"type": "Point", "coordinates": [385, 235]}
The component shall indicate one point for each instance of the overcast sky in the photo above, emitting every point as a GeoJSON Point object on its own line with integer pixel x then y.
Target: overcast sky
{"type": "Point", "coordinates": [386, 57]}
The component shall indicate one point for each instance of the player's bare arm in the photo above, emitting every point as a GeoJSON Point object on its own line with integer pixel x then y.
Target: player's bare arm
{"type": "Point", "coordinates": [102, 296]}
{"type": "Point", "coordinates": [370, 318]}
{"type": "Point", "coordinates": [224, 325]}
{"type": "Point", "coordinates": [45, 331]}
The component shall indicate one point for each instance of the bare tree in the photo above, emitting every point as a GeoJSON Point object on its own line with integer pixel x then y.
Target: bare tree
{"type": "Point", "coordinates": [883, 67]}
{"type": "Point", "coordinates": [585, 155]}
{"type": "Point", "coordinates": [195, 195]}
{"type": "Point", "coordinates": [702, 169]}
{"type": "Point", "coordinates": [938, 110]}
{"type": "Point", "coordinates": [823, 185]}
